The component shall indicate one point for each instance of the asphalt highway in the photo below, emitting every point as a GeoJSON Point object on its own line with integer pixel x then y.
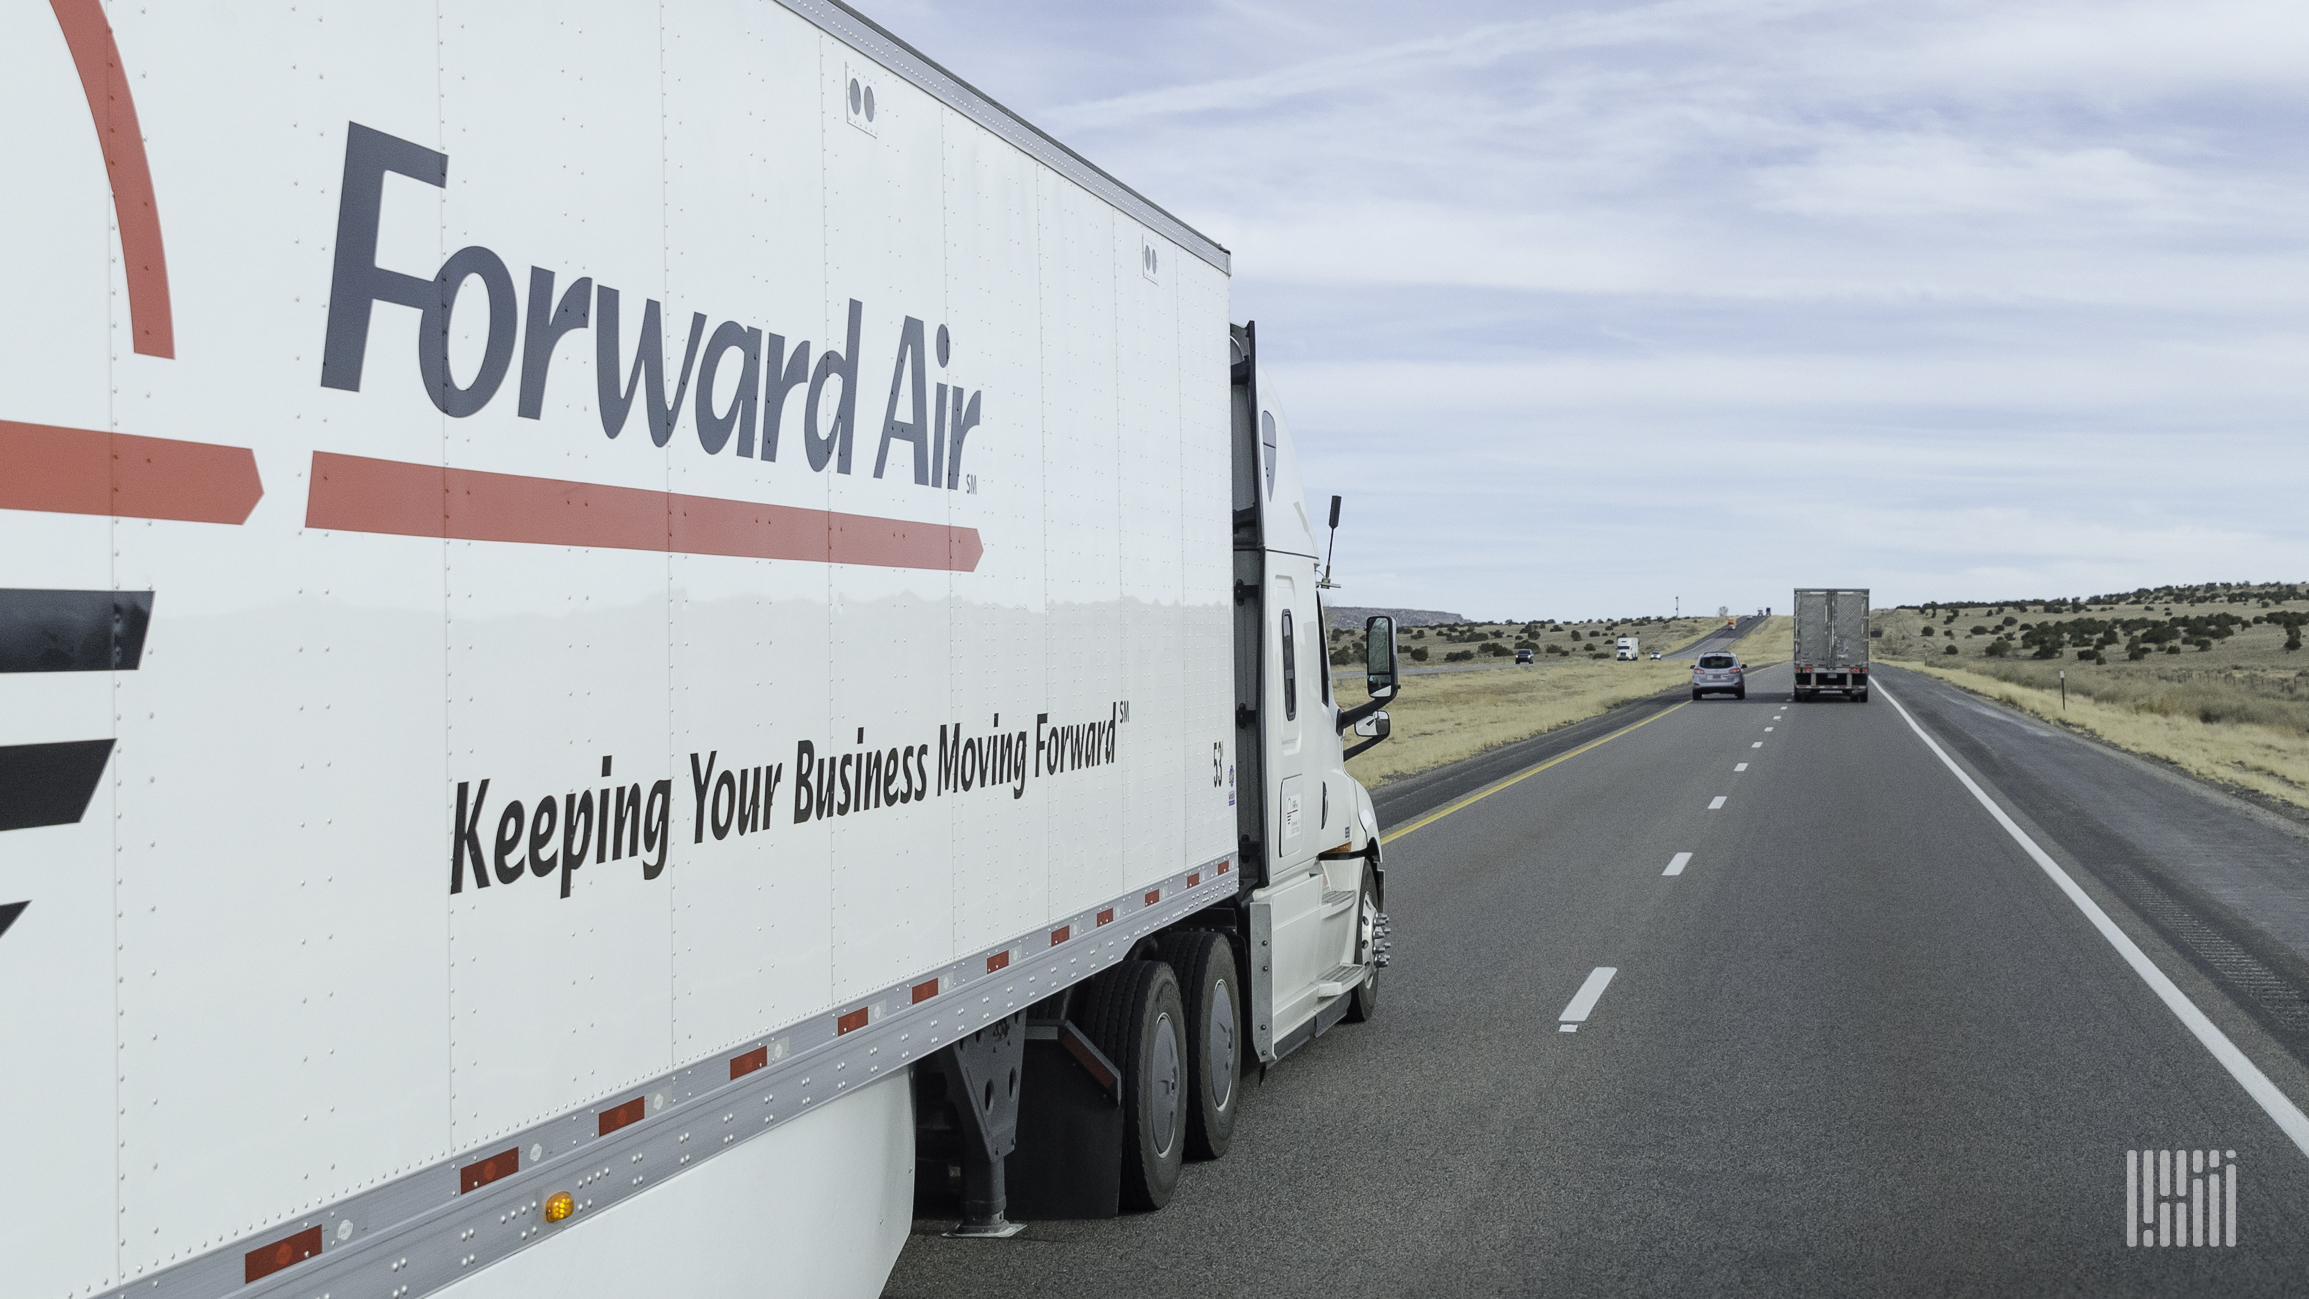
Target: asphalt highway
{"type": "Point", "coordinates": [1861, 1040]}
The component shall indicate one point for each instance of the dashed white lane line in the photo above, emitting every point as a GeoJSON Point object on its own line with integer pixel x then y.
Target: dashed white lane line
{"type": "Point", "coordinates": [2275, 1103]}
{"type": "Point", "coordinates": [1757, 745]}
{"type": "Point", "coordinates": [1676, 865]}
{"type": "Point", "coordinates": [1739, 766]}
{"type": "Point", "coordinates": [1716, 802]}
{"type": "Point", "coordinates": [1583, 1001]}
{"type": "Point", "coordinates": [1767, 728]}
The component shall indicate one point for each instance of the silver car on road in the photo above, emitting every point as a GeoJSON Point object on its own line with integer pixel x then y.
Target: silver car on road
{"type": "Point", "coordinates": [1719, 672]}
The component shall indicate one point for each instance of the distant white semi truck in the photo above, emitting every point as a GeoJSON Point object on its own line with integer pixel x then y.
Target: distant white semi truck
{"type": "Point", "coordinates": [1627, 649]}
{"type": "Point", "coordinates": [1831, 642]}
{"type": "Point", "coordinates": [512, 781]}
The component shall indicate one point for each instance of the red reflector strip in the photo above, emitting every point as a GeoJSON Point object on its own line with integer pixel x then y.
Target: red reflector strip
{"type": "Point", "coordinates": [1061, 934]}
{"type": "Point", "coordinates": [1223, 865]}
{"type": "Point", "coordinates": [608, 1121]}
{"type": "Point", "coordinates": [504, 1163]}
{"type": "Point", "coordinates": [997, 961]}
{"type": "Point", "coordinates": [268, 1259]}
{"type": "Point", "coordinates": [851, 1022]}
{"type": "Point", "coordinates": [741, 1065]}
{"type": "Point", "coordinates": [1106, 917]}
{"type": "Point", "coordinates": [1194, 879]}
{"type": "Point", "coordinates": [1153, 896]}
{"type": "Point", "coordinates": [925, 991]}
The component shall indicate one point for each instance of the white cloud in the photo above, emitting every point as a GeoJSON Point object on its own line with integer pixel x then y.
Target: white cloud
{"type": "Point", "coordinates": [1967, 298]}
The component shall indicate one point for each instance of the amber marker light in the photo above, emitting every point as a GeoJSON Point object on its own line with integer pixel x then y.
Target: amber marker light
{"type": "Point", "coordinates": [559, 1205]}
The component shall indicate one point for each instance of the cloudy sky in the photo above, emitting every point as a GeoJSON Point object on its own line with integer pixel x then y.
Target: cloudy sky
{"type": "Point", "coordinates": [1588, 307]}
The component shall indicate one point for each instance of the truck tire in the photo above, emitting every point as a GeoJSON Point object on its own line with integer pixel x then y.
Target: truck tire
{"type": "Point", "coordinates": [1860, 695]}
{"type": "Point", "coordinates": [1138, 1020]}
{"type": "Point", "coordinates": [1740, 693]}
{"type": "Point", "coordinates": [1204, 962]}
{"type": "Point", "coordinates": [1363, 1002]}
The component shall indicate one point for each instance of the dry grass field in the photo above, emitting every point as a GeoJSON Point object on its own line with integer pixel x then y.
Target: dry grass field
{"type": "Point", "coordinates": [2192, 679]}
{"type": "Point", "coordinates": [1443, 717]}
{"type": "Point", "coordinates": [1448, 716]}
{"type": "Point", "coordinates": [1774, 642]}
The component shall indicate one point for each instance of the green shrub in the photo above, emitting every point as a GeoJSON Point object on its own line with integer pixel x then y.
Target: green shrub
{"type": "Point", "coordinates": [1419, 653]}
{"type": "Point", "coordinates": [1495, 649]}
{"type": "Point", "coordinates": [1997, 648]}
{"type": "Point", "coordinates": [1950, 650]}
{"type": "Point", "coordinates": [1459, 656]}
{"type": "Point", "coordinates": [1928, 631]}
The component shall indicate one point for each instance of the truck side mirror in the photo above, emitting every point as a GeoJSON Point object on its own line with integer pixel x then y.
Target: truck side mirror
{"type": "Point", "coordinates": [1379, 646]}
{"type": "Point", "coordinates": [1373, 727]}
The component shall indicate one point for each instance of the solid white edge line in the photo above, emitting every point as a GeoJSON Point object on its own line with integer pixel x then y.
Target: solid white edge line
{"type": "Point", "coordinates": [1589, 993]}
{"type": "Point", "coordinates": [2275, 1103]}
{"type": "Point", "coordinates": [1676, 866]}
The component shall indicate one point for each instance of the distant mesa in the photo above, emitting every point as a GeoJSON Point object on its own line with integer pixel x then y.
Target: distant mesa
{"type": "Point", "coordinates": [1353, 617]}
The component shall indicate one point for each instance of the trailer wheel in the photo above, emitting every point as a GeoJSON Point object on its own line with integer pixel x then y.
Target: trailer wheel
{"type": "Point", "coordinates": [1204, 962]}
{"type": "Point", "coordinates": [1138, 1020]}
{"type": "Point", "coordinates": [1363, 1002]}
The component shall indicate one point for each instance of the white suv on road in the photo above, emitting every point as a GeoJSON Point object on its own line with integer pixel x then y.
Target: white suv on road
{"type": "Point", "coordinates": [1719, 673]}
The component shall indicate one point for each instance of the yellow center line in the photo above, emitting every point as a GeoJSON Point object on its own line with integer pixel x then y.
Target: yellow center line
{"type": "Point", "coordinates": [1488, 791]}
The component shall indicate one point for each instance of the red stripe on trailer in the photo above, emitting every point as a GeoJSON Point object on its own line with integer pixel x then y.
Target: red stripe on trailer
{"type": "Point", "coordinates": [481, 1173]}
{"type": "Point", "coordinates": [741, 1065]}
{"type": "Point", "coordinates": [265, 1260]}
{"type": "Point", "coordinates": [1222, 865]}
{"type": "Point", "coordinates": [1194, 878]}
{"type": "Point", "coordinates": [925, 991]}
{"type": "Point", "coordinates": [610, 1120]}
{"type": "Point", "coordinates": [86, 471]}
{"type": "Point", "coordinates": [1061, 934]}
{"type": "Point", "coordinates": [997, 961]}
{"type": "Point", "coordinates": [851, 1022]}
{"type": "Point", "coordinates": [1106, 917]}
{"type": "Point", "coordinates": [360, 494]}
{"type": "Point", "coordinates": [1153, 896]}
{"type": "Point", "coordinates": [96, 56]}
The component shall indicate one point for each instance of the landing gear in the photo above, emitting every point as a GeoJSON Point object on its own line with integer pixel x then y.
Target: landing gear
{"type": "Point", "coordinates": [1205, 964]}
{"type": "Point", "coordinates": [1139, 1021]}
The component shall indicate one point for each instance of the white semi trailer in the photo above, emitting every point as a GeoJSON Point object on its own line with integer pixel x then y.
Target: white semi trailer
{"type": "Point", "coordinates": [1831, 642]}
{"type": "Point", "coordinates": [622, 625]}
